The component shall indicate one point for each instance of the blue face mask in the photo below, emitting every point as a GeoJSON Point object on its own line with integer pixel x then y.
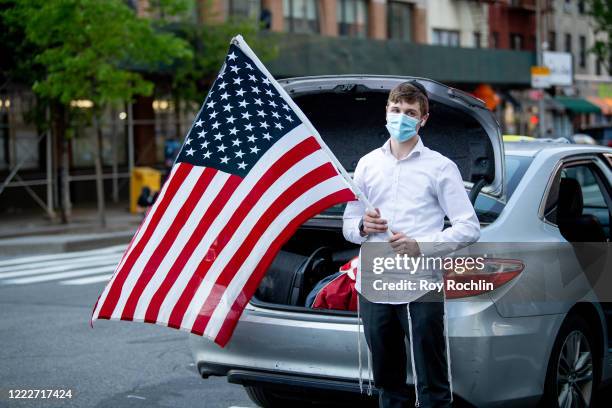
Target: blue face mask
{"type": "Point", "coordinates": [401, 127]}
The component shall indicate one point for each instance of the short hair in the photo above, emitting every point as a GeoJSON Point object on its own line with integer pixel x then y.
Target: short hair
{"type": "Point", "coordinates": [410, 92]}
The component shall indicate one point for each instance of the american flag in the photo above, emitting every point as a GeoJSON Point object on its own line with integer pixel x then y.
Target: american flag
{"type": "Point", "coordinates": [251, 170]}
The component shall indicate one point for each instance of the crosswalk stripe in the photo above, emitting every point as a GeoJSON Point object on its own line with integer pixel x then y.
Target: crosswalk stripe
{"type": "Point", "coordinates": [60, 268]}
{"type": "Point", "coordinates": [64, 256]}
{"type": "Point", "coordinates": [46, 264]}
{"type": "Point", "coordinates": [58, 276]}
{"type": "Point", "coordinates": [85, 281]}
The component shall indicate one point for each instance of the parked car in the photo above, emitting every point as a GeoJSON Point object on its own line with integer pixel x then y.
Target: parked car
{"type": "Point", "coordinates": [282, 351]}
{"type": "Point", "coordinates": [602, 134]}
{"type": "Point", "coordinates": [581, 138]}
{"type": "Point", "coordinates": [518, 138]}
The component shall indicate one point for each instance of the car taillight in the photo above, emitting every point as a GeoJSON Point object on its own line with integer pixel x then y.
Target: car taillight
{"type": "Point", "coordinates": [476, 281]}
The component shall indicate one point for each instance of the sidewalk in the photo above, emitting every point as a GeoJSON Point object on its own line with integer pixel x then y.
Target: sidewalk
{"type": "Point", "coordinates": [32, 233]}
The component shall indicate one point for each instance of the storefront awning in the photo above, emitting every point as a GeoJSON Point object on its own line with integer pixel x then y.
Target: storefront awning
{"type": "Point", "coordinates": [577, 105]}
{"type": "Point", "coordinates": [605, 104]}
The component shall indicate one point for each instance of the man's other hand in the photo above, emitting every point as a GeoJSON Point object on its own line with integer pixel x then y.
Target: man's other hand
{"type": "Point", "coordinates": [372, 223]}
{"type": "Point", "coordinates": [404, 245]}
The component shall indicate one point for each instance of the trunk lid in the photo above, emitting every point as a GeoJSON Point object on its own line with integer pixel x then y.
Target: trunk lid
{"type": "Point", "coordinates": [349, 113]}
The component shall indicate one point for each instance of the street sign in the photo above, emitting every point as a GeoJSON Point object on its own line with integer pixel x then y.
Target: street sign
{"type": "Point", "coordinates": [560, 64]}
{"type": "Point", "coordinates": [540, 77]}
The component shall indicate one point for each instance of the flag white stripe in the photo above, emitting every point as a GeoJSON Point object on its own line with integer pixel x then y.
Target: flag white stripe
{"type": "Point", "coordinates": [38, 270]}
{"type": "Point", "coordinates": [57, 276]}
{"type": "Point", "coordinates": [57, 257]}
{"type": "Point", "coordinates": [168, 218]}
{"type": "Point", "coordinates": [85, 281]}
{"type": "Point", "coordinates": [235, 287]}
{"type": "Point", "coordinates": [277, 150]}
{"type": "Point", "coordinates": [150, 215]}
{"type": "Point", "coordinates": [179, 243]}
{"type": "Point", "coordinates": [293, 174]}
{"type": "Point", "coordinates": [136, 240]}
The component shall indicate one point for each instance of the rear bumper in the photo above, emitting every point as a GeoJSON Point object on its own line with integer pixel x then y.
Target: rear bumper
{"type": "Point", "coordinates": [247, 376]}
{"type": "Point", "coordinates": [494, 360]}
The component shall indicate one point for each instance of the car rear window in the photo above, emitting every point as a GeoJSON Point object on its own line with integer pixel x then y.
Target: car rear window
{"type": "Point", "coordinates": [488, 208]}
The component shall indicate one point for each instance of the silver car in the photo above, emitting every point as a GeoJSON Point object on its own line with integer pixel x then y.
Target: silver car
{"type": "Point", "coordinates": [502, 352]}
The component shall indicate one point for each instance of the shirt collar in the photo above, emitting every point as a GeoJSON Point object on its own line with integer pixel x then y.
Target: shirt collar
{"type": "Point", "coordinates": [417, 149]}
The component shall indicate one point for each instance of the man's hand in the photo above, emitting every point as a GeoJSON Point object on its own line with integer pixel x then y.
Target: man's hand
{"type": "Point", "coordinates": [372, 223]}
{"type": "Point", "coordinates": [402, 244]}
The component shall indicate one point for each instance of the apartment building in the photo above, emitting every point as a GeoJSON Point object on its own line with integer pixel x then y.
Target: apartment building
{"type": "Point", "coordinates": [512, 24]}
{"type": "Point", "coordinates": [439, 22]}
{"type": "Point", "coordinates": [463, 23]}
{"type": "Point", "coordinates": [380, 19]}
{"type": "Point", "coordinates": [570, 29]}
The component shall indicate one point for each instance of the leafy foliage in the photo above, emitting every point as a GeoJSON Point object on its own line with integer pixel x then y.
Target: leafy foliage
{"type": "Point", "coordinates": [601, 12]}
{"type": "Point", "coordinates": [90, 49]}
{"type": "Point", "coordinates": [210, 43]}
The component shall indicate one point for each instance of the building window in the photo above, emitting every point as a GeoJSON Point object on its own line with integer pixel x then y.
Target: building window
{"type": "Point", "coordinates": [244, 8]}
{"type": "Point", "coordinates": [477, 39]}
{"type": "Point", "coordinates": [516, 41]}
{"type": "Point", "coordinates": [552, 40]}
{"type": "Point", "coordinates": [446, 37]}
{"type": "Point", "coordinates": [598, 67]}
{"type": "Point", "coordinates": [582, 56]}
{"type": "Point", "coordinates": [568, 43]}
{"type": "Point", "coordinates": [399, 20]}
{"type": "Point", "coordinates": [495, 40]}
{"type": "Point", "coordinates": [581, 7]}
{"type": "Point", "coordinates": [301, 16]}
{"type": "Point", "coordinates": [352, 17]}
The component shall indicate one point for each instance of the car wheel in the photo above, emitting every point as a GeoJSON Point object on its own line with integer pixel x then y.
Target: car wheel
{"type": "Point", "coordinates": [269, 398]}
{"type": "Point", "coordinates": [571, 378]}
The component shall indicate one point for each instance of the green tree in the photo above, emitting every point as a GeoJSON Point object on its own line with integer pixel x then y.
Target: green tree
{"type": "Point", "coordinates": [95, 50]}
{"type": "Point", "coordinates": [209, 42]}
{"type": "Point", "coordinates": [601, 12]}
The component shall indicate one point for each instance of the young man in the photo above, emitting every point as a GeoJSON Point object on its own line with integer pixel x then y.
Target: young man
{"type": "Point", "coordinates": [412, 189]}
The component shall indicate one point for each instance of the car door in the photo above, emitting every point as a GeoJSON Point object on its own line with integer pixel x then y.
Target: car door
{"type": "Point", "coordinates": [594, 177]}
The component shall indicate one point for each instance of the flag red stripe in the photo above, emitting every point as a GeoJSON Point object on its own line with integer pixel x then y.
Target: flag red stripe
{"type": "Point", "coordinates": [162, 192]}
{"type": "Point", "coordinates": [255, 278]}
{"type": "Point", "coordinates": [127, 251]}
{"type": "Point", "coordinates": [114, 291]}
{"type": "Point", "coordinates": [300, 187]}
{"type": "Point", "coordinates": [285, 162]}
{"type": "Point", "coordinates": [211, 213]}
{"type": "Point", "coordinates": [166, 242]}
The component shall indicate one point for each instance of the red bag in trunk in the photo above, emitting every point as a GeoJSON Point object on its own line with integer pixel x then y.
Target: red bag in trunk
{"type": "Point", "coordinates": [339, 293]}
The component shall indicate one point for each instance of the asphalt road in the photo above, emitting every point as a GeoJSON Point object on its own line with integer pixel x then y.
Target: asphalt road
{"type": "Point", "coordinates": [46, 343]}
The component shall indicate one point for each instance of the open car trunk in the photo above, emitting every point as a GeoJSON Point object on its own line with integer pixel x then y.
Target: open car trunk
{"type": "Point", "coordinates": [349, 113]}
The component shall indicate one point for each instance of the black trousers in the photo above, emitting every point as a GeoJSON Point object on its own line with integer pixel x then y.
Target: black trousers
{"type": "Point", "coordinates": [386, 327]}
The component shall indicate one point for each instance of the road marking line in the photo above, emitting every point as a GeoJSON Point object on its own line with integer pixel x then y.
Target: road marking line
{"type": "Point", "coordinates": [60, 268]}
{"type": "Point", "coordinates": [57, 276]}
{"type": "Point", "coordinates": [85, 281]}
{"type": "Point", "coordinates": [47, 264]}
{"type": "Point", "coordinates": [68, 255]}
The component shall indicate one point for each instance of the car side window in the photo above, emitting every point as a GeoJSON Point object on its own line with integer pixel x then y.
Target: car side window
{"type": "Point", "coordinates": [593, 197]}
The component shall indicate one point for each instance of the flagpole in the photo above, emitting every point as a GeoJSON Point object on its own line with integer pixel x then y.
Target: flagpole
{"type": "Point", "coordinates": [244, 47]}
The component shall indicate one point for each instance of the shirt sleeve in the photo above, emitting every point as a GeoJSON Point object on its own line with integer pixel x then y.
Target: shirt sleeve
{"type": "Point", "coordinates": [454, 201]}
{"type": "Point", "coordinates": [355, 210]}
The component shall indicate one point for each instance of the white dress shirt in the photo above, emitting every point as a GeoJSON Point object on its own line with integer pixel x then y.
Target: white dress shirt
{"type": "Point", "coordinates": [413, 194]}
